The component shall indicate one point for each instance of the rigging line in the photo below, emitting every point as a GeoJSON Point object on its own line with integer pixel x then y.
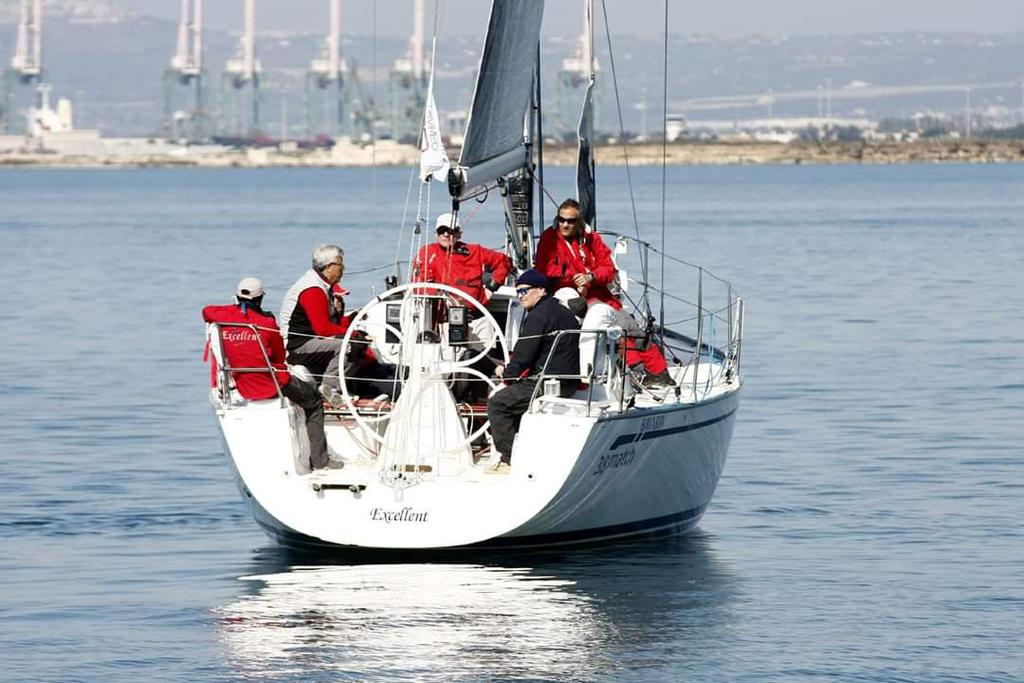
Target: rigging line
{"type": "Point", "coordinates": [644, 259]}
{"type": "Point", "coordinates": [664, 170]}
{"type": "Point", "coordinates": [373, 127]}
{"type": "Point", "coordinates": [590, 88]}
{"type": "Point", "coordinates": [374, 269]}
{"type": "Point", "coordinates": [405, 218]}
{"type": "Point", "coordinates": [420, 239]}
{"type": "Point", "coordinates": [544, 191]}
{"type": "Point", "coordinates": [622, 129]}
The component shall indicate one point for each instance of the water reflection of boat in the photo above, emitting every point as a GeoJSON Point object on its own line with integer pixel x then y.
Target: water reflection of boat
{"type": "Point", "coordinates": [547, 616]}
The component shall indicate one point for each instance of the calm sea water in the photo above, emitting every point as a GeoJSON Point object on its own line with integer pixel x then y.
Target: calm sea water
{"type": "Point", "coordinates": [868, 526]}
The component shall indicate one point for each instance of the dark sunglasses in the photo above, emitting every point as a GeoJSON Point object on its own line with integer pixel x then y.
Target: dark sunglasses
{"type": "Point", "coordinates": [447, 231]}
{"type": "Point", "coordinates": [570, 221]}
{"type": "Point", "coordinates": [523, 291]}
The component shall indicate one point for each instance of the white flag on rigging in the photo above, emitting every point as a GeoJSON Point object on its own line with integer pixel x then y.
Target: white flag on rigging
{"type": "Point", "coordinates": [433, 155]}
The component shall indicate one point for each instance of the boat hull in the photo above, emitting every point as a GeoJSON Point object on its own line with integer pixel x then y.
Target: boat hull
{"type": "Point", "coordinates": [649, 471]}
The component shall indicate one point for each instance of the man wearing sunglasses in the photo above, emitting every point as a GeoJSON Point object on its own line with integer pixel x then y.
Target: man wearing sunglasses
{"type": "Point", "coordinates": [570, 254]}
{"type": "Point", "coordinates": [545, 318]}
{"type": "Point", "coordinates": [311, 337]}
{"type": "Point", "coordinates": [470, 267]}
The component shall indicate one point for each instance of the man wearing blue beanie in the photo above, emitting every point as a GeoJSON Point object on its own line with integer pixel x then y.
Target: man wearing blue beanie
{"type": "Point", "coordinates": [545, 318]}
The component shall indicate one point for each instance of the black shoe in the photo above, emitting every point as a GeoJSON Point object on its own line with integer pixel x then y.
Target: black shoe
{"type": "Point", "coordinates": [662, 379]}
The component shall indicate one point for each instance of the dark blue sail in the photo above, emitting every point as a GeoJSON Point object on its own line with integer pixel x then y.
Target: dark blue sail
{"type": "Point", "coordinates": [585, 183]}
{"type": "Point", "coordinates": [495, 144]}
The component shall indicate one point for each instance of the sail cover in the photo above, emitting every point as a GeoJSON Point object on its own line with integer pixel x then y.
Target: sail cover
{"type": "Point", "coordinates": [585, 191]}
{"type": "Point", "coordinates": [494, 134]}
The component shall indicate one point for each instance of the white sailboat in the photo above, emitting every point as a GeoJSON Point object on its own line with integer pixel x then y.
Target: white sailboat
{"type": "Point", "coordinates": [618, 459]}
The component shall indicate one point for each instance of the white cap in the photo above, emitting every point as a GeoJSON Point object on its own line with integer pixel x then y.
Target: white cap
{"type": "Point", "coordinates": [445, 221]}
{"type": "Point", "coordinates": [564, 294]}
{"type": "Point", "coordinates": [249, 288]}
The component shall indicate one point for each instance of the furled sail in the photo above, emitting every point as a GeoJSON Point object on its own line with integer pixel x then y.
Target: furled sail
{"type": "Point", "coordinates": [434, 161]}
{"type": "Point", "coordinates": [585, 190]}
{"type": "Point", "coordinates": [494, 143]}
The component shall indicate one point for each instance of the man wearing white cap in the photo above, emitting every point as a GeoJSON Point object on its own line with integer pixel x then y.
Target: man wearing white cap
{"type": "Point", "coordinates": [247, 332]}
{"type": "Point", "coordinates": [473, 268]}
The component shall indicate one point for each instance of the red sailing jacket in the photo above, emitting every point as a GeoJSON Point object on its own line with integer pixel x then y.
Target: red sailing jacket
{"type": "Point", "coordinates": [560, 259]}
{"type": "Point", "coordinates": [461, 267]}
{"type": "Point", "coordinates": [242, 348]}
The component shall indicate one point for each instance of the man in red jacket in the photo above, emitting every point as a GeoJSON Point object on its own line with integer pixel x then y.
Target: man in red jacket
{"type": "Point", "coordinates": [571, 256]}
{"type": "Point", "coordinates": [249, 337]}
{"type": "Point", "coordinates": [470, 267]}
{"type": "Point", "coordinates": [473, 269]}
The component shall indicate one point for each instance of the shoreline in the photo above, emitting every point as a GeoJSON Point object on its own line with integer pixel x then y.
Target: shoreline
{"type": "Point", "coordinates": [387, 153]}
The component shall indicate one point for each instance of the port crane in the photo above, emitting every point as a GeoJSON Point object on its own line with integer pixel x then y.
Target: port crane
{"type": "Point", "coordinates": [27, 64]}
{"type": "Point", "coordinates": [187, 72]}
{"type": "Point", "coordinates": [407, 84]}
{"type": "Point", "coordinates": [326, 73]}
{"type": "Point", "coordinates": [240, 82]}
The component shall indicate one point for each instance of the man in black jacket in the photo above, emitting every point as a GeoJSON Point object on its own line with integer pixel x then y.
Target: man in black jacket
{"type": "Point", "coordinates": [545, 318]}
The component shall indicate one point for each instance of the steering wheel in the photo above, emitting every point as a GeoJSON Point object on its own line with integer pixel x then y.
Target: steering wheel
{"type": "Point", "coordinates": [416, 294]}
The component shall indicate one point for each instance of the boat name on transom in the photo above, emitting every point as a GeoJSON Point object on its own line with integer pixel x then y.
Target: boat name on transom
{"type": "Point", "coordinates": [406, 514]}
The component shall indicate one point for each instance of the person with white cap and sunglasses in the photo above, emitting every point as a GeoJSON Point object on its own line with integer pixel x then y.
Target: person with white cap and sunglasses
{"type": "Point", "coordinates": [248, 349]}
{"type": "Point", "coordinates": [472, 268]}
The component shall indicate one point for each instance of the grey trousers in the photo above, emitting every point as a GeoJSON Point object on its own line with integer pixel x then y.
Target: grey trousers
{"type": "Point", "coordinates": [320, 356]}
{"type": "Point", "coordinates": [307, 396]}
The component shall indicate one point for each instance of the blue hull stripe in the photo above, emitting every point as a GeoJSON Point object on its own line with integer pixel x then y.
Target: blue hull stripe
{"type": "Point", "coordinates": [678, 521]}
{"type": "Point", "coordinates": [658, 433]}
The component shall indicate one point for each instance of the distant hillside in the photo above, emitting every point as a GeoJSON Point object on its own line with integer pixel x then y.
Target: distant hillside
{"type": "Point", "coordinates": [110, 64]}
{"type": "Point", "coordinates": [79, 10]}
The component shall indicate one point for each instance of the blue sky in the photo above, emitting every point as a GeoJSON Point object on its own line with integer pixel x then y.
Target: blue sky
{"type": "Point", "coordinates": [725, 18]}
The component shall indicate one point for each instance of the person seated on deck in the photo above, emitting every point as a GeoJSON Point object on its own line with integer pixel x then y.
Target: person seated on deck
{"type": "Point", "coordinates": [311, 338]}
{"type": "Point", "coordinates": [596, 316]}
{"type": "Point", "coordinates": [244, 348]}
{"type": "Point", "coordinates": [473, 269]}
{"type": "Point", "coordinates": [365, 376]}
{"type": "Point", "coordinates": [545, 318]}
{"type": "Point", "coordinates": [573, 255]}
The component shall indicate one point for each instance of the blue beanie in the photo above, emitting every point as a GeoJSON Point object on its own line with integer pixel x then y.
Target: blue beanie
{"type": "Point", "coordinates": [532, 278]}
